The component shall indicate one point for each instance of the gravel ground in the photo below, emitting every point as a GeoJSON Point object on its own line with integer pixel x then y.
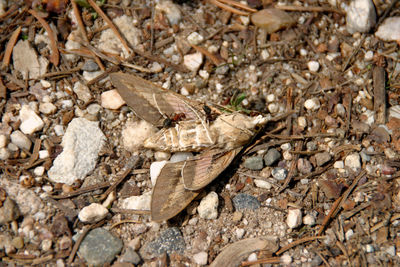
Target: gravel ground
{"type": "Point", "coordinates": [318, 186]}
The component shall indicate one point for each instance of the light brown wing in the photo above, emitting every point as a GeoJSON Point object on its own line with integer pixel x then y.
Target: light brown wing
{"type": "Point", "coordinates": [199, 172]}
{"type": "Point", "coordinates": [169, 195]}
{"type": "Point", "coordinates": [152, 102]}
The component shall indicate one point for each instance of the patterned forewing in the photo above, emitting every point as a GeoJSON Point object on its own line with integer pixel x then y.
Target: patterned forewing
{"type": "Point", "coordinates": [199, 172]}
{"type": "Point", "coordinates": [169, 195]}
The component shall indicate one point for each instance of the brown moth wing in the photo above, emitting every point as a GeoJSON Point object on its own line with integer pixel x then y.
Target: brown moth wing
{"type": "Point", "coordinates": [152, 102]}
{"type": "Point", "coordinates": [197, 173]}
{"type": "Point", "coordinates": [169, 195]}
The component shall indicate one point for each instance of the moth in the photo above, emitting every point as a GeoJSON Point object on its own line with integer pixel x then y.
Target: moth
{"type": "Point", "coordinates": [217, 140]}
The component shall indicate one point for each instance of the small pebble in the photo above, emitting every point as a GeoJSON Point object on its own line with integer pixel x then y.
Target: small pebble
{"type": "Point", "coordinates": [180, 156]}
{"type": "Point", "coordinates": [389, 30]}
{"type": "Point", "coordinates": [294, 218]}
{"type": "Point", "coordinates": [193, 61]}
{"type": "Point", "coordinates": [93, 213]}
{"type": "Point", "coordinates": [302, 122]}
{"type": "Point", "coordinates": [169, 241]}
{"type": "Point", "coordinates": [304, 166]}
{"type": "Point", "coordinates": [240, 233]}
{"type": "Point", "coordinates": [17, 242]}
{"type": "Point", "coordinates": [142, 202]}
{"type": "Point", "coordinates": [111, 99]}
{"type": "Point", "coordinates": [20, 140]}
{"type": "Point", "coordinates": [3, 140]}
{"type": "Point", "coordinates": [272, 19]}
{"type": "Point", "coordinates": [245, 201]}
{"type": "Point", "coordinates": [4, 153]}
{"type": "Point", "coordinates": [338, 164]}
{"type": "Point", "coordinates": [43, 154]}
{"type": "Point", "coordinates": [369, 55]}
{"type": "Point", "coordinates": [200, 258]}
{"type": "Point", "coordinates": [252, 257]}
{"type": "Point", "coordinates": [262, 184]}
{"type": "Point", "coordinates": [286, 259]}
{"type": "Point", "coordinates": [30, 121]}
{"type": "Point", "coordinates": [271, 157]}
{"type": "Point", "coordinates": [279, 173]}
{"type": "Point", "coordinates": [311, 146]}
{"type": "Point", "coordinates": [82, 91]}
{"type": "Point", "coordinates": [349, 234]}
{"type": "Point", "coordinates": [47, 108]}
{"type": "Point", "coordinates": [161, 155]}
{"type": "Point", "coordinates": [155, 169]}
{"type": "Point", "coordinates": [195, 38]}
{"type": "Point", "coordinates": [9, 211]}
{"type": "Point", "coordinates": [170, 10]}
{"type": "Point", "coordinates": [309, 220]}
{"type": "Point", "coordinates": [391, 250]}
{"type": "Point", "coordinates": [254, 163]}
{"type": "Point", "coordinates": [46, 244]}
{"type": "Point", "coordinates": [313, 66]}
{"type": "Point", "coordinates": [39, 171]}
{"type": "Point", "coordinates": [312, 104]}
{"type": "Point", "coordinates": [135, 133]}
{"type": "Point", "coordinates": [208, 208]}
{"type": "Point", "coordinates": [369, 248]}
{"type": "Point", "coordinates": [353, 161]}
{"type": "Point", "coordinates": [322, 158]}
{"type": "Point", "coordinates": [131, 256]}
{"type": "Point", "coordinates": [360, 16]}
{"type": "Point", "coordinates": [90, 65]}
{"type": "Point", "coordinates": [237, 216]}
{"type": "Point", "coordinates": [59, 130]}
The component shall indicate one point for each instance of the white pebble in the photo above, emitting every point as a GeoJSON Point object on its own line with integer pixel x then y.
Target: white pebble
{"type": "Point", "coordinates": [142, 202]}
{"type": "Point", "coordinates": [313, 66]}
{"type": "Point", "coordinates": [20, 140]}
{"type": "Point", "coordinates": [156, 67]}
{"type": "Point", "coordinates": [303, 52]}
{"type": "Point", "coordinates": [43, 154]}
{"type": "Point", "coordinates": [59, 130]}
{"type": "Point", "coordinates": [195, 38]}
{"type": "Point", "coordinates": [273, 108]}
{"type": "Point", "coordinates": [161, 155]}
{"type": "Point", "coordinates": [294, 218]}
{"type": "Point", "coordinates": [262, 184]}
{"type": "Point", "coordinates": [208, 208]}
{"type": "Point", "coordinates": [3, 140]}
{"type": "Point", "coordinates": [67, 103]}
{"type": "Point", "coordinates": [45, 84]}
{"type": "Point", "coordinates": [46, 244]}
{"type": "Point", "coordinates": [180, 156]}
{"type": "Point", "coordinates": [312, 104]}
{"type": "Point", "coordinates": [309, 220]}
{"type": "Point", "coordinates": [155, 169]}
{"type": "Point", "coordinates": [204, 74]}
{"type": "Point", "coordinates": [47, 108]}
{"type": "Point", "coordinates": [38, 171]}
{"type": "Point", "coordinates": [193, 61]}
{"type": "Point", "coordinates": [349, 234]}
{"type": "Point", "coordinates": [111, 99]}
{"type": "Point", "coordinates": [240, 233]}
{"type": "Point", "coordinates": [353, 161]}
{"type": "Point", "coordinates": [252, 257]}
{"type": "Point", "coordinates": [47, 188]}
{"type": "Point", "coordinates": [200, 258]}
{"type": "Point", "coordinates": [93, 213]}
{"type": "Point", "coordinates": [30, 121]}
{"type": "Point", "coordinates": [82, 91]}
{"type": "Point", "coordinates": [4, 153]}
{"type": "Point", "coordinates": [270, 98]}
{"type": "Point", "coordinates": [369, 55]}
{"type": "Point", "coordinates": [286, 259]}
{"type": "Point", "coordinates": [338, 164]}
{"type": "Point", "coordinates": [302, 121]}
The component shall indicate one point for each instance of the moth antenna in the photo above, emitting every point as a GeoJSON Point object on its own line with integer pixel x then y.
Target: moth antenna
{"type": "Point", "coordinates": [158, 108]}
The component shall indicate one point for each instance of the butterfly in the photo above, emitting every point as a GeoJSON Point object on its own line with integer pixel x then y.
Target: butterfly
{"type": "Point", "coordinates": [217, 137]}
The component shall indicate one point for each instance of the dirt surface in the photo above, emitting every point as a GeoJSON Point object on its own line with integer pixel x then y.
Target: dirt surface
{"type": "Point", "coordinates": [320, 183]}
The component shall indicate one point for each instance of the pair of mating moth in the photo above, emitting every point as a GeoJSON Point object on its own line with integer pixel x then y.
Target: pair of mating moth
{"type": "Point", "coordinates": [218, 140]}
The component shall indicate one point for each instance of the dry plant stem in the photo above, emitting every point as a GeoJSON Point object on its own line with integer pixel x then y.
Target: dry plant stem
{"type": "Point", "coordinates": [293, 165]}
{"type": "Point", "coordinates": [216, 60]}
{"type": "Point", "coordinates": [339, 202]}
{"type": "Point", "coordinates": [323, 258]}
{"type": "Point", "coordinates": [10, 46]}
{"type": "Point", "coordinates": [34, 261]}
{"type": "Point", "coordinates": [228, 8]}
{"type": "Point", "coordinates": [378, 77]}
{"type": "Point", "coordinates": [55, 56]}
{"type": "Point", "coordinates": [238, 4]}
{"type": "Point", "coordinates": [130, 211]}
{"type": "Point", "coordinates": [13, 9]}
{"type": "Point", "coordinates": [78, 17]}
{"type": "Point", "coordinates": [35, 153]}
{"type": "Point", "coordinates": [344, 250]}
{"type": "Point", "coordinates": [271, 260]}
{"type": "Point", "coordinates": [3, 89]}
{"type": "Point", "coordinates": [298, 242]}
{"type": "Point", "coordinates": [102, 76]}
{"type": "Point", "coordinates": [122, 222]}
{"type": "Point", "coordinates": [80, 191]}
{"type": "Point", "coordinates": [309, 9]}
{"type": "Point", "coordinates": [129, 167]}
{"type": "Point", "coordinates": [158, 59]}
{"type": "Point", "coordinates": [110, 24]}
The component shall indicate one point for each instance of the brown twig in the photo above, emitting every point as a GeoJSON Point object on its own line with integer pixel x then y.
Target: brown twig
{"type": "Point", "coordinates": [270, 260]}
{"type": "Point", "coordinates": [239, 5]}
{"type": "Point", "coordinates": [10, 46]}
{"type": "Point", "coordinates": [54, 56]}
{"type": "Point", "coordinates": [80, 191]}
{"type": "Point", "coordinates": [298, 242]}
{"type": "Point", "coordinates": [309, 9]}
{"type": "Point", "coordinates": [229, 8]}
{"type": "Point", "coordinates": [110, 24]}
{"type": "Point", "coordinates": [78, 17]}
{"type": "Point", "coordinates": [124, 221]}
{"type": "Point", "coordinates": [215, 59]}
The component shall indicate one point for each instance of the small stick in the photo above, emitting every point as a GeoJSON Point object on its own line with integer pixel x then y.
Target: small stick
{"type": "Point", "coordinates": [10, 46]}
{"type": "Point", "coordinates": [378, 77]}
{"type": "Point", "coordinates": [239, 5]}
{"type": "Point", "coordinates": [298, 242]}
{"type": "Point", "coordinates": [309, 9]}
{"type": "Point", "coordinates": [110, 24]}
{"type": "Point", "coordinates": [270, 260]}
{"type": "Point", "coordinates": [124, 221]}
{"type": "Point", "coordinates": [80, 191]}
{"type": "Point", "coordinates": [78, 17]}
{"type": "Point", "coordinates": [55, 56]}
{"type": "Point", "coordinates": [228, 8]}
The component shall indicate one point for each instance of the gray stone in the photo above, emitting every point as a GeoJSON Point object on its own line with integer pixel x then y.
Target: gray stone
{"type": "Point", "coordinates": [279, 173]}
{"type": "Point", "coordinates": [254, 163]}
{"type": "Point", "coordinates": [360, 16]}
{"type": "Point", "coordinates": [271, 157]}
{"type": "Point", "coordinates": [169, 241]}
{"type": "Point", "coordinates": [131, 256]}
{"type": "Point", "coordinates": [90, 65]}
{"type": "Point", "coordinates": [82, 142]}
{"type": "Point", "coordinates": [311, 146]}
{"type": "Point", "coordinates": [389, 30]}
{"type": "Point", "coordinates": [245, 201]}
{"type": "Point", "coordinates": [99, 247]}
{"type": "Point", "coordinates": [304, 166]}
{"type": "Point", "coordinates": [9, 211]}
{"type": "Point", "coordinates": [322, 158]}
